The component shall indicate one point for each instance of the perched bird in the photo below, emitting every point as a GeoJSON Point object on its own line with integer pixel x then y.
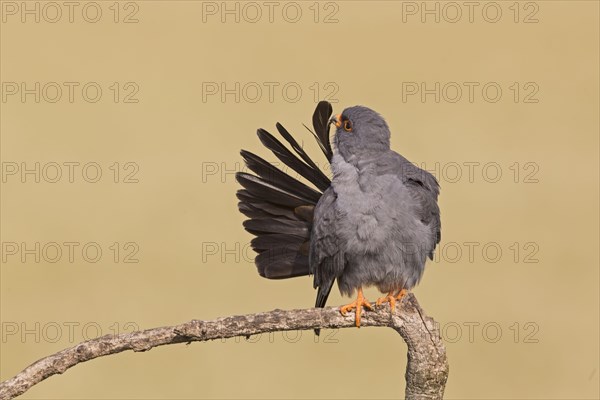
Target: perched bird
{"type": "Point", "coordinates": [373, 224]}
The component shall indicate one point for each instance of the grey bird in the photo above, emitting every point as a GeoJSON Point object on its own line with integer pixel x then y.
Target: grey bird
{"type": "Point", "coordinates": [373, 224]}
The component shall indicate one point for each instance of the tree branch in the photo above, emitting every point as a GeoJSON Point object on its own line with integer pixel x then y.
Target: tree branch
{"type": "Point", "coordinates": [426, 371]}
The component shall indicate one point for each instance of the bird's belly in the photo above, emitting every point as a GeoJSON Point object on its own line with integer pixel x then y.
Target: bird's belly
{"type": "Point", "coordinates": [379, 233]}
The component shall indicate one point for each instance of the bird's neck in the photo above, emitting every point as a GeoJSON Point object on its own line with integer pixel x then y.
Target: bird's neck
{"type": "Point", "coordinates": [362, 159]}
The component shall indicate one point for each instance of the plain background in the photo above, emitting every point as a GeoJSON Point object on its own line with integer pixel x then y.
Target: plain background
{"type": "Point", "coordinates": [522, 323]}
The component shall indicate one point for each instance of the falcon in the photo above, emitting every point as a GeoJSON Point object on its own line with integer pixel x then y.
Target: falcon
{"type": "Point", "coordinates": [374, 223]}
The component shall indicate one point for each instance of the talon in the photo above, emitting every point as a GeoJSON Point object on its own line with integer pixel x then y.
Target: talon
{"type": "Point", "coordinates": [401, 294]}
{"type": "Point", "coordinates": [389, 298]}
{"type": "Point", "coordinates": [358, 304]}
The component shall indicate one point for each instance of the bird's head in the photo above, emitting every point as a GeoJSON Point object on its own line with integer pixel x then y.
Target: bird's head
{"type": "Point", "coordinates": [360, 131]}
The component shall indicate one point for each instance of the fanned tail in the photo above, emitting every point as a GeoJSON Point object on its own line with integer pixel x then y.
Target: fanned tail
{"type": "Point", "coordinates": [279, 206]}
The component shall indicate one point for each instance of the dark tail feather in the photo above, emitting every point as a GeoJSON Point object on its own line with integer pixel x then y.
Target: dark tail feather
{"type": "Point", "coordinates": [322, 295]}
{"type": "Point", "coordinates": [250, 202]}
{"type": "Point", "coordinates": [300, 151]}
{"type": "Point", "coordinates": [276, 177]}
{"type": "Point", "coordinates": [275, 194]}
{"type": "Point", "coordinates": [259, 226]}
{"type": "Point", "coordinates": [321, 118]}
{"type": "Point", "coordinates": [313, 175]}
{"type": "Point", "coordinates": [282, 263]}
{"type": "Point", "coordinates": [276, 240]}
{"type": "Point", "coordinates": [280, 207]}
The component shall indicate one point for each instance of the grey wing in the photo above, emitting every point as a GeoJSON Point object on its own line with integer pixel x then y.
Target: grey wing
{"type": "Point", "coordinates": [429, 211]}
{"type": "Point", "coordinates": [326, 260]}
{"type": "Point", "coordinates": [423, 187]}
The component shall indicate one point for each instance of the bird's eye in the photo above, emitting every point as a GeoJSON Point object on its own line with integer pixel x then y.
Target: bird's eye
{"type": "Point", "coordinates": [348, 125]}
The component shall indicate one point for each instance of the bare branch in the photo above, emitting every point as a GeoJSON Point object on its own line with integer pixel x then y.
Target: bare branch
{"type": "Point", "coordinates": [426, 371]}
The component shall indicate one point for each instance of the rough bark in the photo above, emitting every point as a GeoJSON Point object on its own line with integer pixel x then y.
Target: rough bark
{"type": "Point", "coordinates": [426, 370]}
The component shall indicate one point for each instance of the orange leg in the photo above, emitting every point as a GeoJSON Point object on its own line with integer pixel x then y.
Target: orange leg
{"type": "Point", "coordinates": [401, 294]}
{"type": "Point", "coordinates": [392, 299]}
{"type": "Point", "coordinates": [357, 304]}
{"type": "Point", "coordinates": [389, 298]}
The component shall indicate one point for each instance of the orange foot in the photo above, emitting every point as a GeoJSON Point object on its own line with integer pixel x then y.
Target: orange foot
{"type": "Point", "coordinates": [401, 294]}
{"type": "Point", "coordinates": [392, 299]}
{"type": "Point", "coordinates": [357, 304]}
{"type": "Point", "coordinates": [388, 298]}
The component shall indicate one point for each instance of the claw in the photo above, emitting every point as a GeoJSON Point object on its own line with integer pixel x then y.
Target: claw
{"type": "Point", "coordinates": [389, 298]}
{"type": "Point", "coordinates": [401, 294]}
{"type": "Point", "coordinates": [392, 299]}
{"type": "Point", "coordinates": [357, 304]}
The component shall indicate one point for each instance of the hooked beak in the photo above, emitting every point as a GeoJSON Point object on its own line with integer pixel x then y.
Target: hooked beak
{"type": "Point", "coordinates": [336, 120]}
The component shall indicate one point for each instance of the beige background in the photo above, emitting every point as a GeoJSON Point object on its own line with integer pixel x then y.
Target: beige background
{"type": "Point", "coordinates": [184, 219]}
